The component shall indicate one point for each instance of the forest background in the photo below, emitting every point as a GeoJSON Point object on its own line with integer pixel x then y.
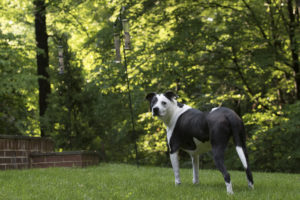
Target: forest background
{"type": "Point", "coordinates": [243, 54]}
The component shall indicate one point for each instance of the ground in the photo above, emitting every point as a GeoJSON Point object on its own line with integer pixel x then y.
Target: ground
{"type": "Point", "coordinates": [121, 181]}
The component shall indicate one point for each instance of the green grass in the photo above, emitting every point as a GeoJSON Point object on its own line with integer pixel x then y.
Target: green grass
{"type": "Point", "coordinates": [120, 181]}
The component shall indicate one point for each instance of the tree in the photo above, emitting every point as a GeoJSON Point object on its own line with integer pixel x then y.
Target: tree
{"type": "Point", "coordinates": [239, 53]}
{"type": "Point", "coordinates": [42, 57]}
{"type": "Point", "coordinates": [293, 28]}
{"type": "Point", "coordinates": [18, 79]}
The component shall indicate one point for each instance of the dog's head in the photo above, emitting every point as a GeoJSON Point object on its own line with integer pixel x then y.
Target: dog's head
{"type": "Point", "coordinates": [162, 105]}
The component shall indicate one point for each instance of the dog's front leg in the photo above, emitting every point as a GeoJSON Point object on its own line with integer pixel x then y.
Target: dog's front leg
{"type": "Point", "coordinates": [195, 161]}
{"type": "Point", "coordinates": [175, 164]}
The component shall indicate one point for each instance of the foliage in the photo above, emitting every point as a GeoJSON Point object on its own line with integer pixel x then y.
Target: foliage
{"type": "Point", "coordinates": [240, 54]}
{"type": "Point", "coordinates": [62, 118]}
{"type": "Point", "coordinates": [119, 181]}
{"type": "Point", "coordinates": [274, 148]}
{"type": "Point", "coordinates": [17, 83]}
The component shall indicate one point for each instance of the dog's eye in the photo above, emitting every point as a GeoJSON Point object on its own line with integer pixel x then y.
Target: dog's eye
{"type": "Point", "coordinates": [164, 103]}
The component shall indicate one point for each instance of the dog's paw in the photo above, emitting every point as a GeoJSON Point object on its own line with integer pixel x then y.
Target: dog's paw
{"type": "Point", "coordinates": [229, 188]}
{"type": "Point", "coordinates": [251, 185]}
{"type": "Point", "coordinates": [230, 192]}
{"type": "Point", "coordinates": [195, 182]}
{"type": "Point", "coordinates": [177, 183]}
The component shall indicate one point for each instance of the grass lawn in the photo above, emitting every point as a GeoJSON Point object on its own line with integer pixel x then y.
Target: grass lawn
{"type": "Point", "coordinates": [121, 181]}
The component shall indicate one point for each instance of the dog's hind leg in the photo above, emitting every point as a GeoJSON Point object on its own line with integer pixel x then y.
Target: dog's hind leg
{"type": "Point", "coordinates": [175, 165]}
{"type": "Point", "coordinates": [218, 155]}
{"type": "Point", "coordinates": [242, 152]}
{"type": "Point", "coordinates": [239, 138]}
{"type": "Point", "coordinates": [195, 162]}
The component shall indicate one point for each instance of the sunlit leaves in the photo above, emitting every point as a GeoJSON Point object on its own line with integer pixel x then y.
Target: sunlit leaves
{"type": "Point", "coordinates": [232, 53]}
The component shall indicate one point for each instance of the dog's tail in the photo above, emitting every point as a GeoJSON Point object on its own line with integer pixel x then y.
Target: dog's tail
{"type": "Point", "coordinates": [239, 138]}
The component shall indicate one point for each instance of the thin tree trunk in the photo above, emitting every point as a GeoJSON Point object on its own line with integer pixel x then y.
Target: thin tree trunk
{"type": "Point", "coordinates": [42, 57]}
{"type": "Point", "coordinates": [293, 45]}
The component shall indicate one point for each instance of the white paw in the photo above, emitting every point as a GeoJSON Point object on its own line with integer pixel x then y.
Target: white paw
{"type": "Point", "coordinates": [251, 185]}
{"type": "Point", "coordinates": [230, 192]}
{"type": "Point", "coordinates": [229, 188]}
{"type": "Point", "coordinates": [195, 182]}
{"type": "Point", "coordinates": [177, 183]}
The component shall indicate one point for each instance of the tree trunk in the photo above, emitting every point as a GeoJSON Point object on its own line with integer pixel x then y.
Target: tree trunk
{"type": "Point", "coordinates": [293, 45]}
{"type": "Point", "coordinates": [42, 57]}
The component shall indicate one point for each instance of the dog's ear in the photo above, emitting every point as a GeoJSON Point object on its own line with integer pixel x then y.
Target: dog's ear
{"type": "Point", "coordinates": [170, 95]}
{"type": "Point", "coordinates": [150, 96]}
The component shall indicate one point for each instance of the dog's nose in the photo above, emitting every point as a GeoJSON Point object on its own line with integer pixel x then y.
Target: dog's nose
{"type": "Point", "coordinates": [155, 111]}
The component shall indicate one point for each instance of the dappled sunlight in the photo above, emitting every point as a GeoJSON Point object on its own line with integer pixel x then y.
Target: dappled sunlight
{"type": "Point", "coordinates": [239, 54]}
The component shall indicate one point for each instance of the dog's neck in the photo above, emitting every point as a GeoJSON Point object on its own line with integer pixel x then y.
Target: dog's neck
{"type": "Point", "coordinates": [171, 118]}
{"type": "Point", "coordinates": [173, 114]}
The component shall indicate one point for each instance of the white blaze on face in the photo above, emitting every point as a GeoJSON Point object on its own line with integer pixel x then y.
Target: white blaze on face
{"type": "Point", "coordinates": [164, 105]}
{"type": "Point", "coordinates": [168, 111]}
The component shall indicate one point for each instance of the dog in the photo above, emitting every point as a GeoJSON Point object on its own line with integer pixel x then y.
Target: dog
{"type": "Point", "coordinates": [189, 129]}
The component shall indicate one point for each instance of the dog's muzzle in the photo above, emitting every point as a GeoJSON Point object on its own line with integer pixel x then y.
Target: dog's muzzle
{"type": "Point", "coordinates": [156, 111]}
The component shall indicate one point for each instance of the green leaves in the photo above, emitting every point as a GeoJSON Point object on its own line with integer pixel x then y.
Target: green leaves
{"type": "Point", "coordinates": [274, 142]}
{"type": "Point", "coordinates": [17, 84]}
{"type": "Point", "coordinates": [235, 53]}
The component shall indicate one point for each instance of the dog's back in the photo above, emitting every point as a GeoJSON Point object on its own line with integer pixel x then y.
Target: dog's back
{"type": "Point", "coordinates": [191, 124]}
{"type": "Point", "coordinates": [227, 120]}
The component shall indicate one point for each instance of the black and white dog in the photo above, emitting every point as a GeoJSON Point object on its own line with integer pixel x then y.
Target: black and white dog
{"type": "Point", "coordinates": [188, 129]}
